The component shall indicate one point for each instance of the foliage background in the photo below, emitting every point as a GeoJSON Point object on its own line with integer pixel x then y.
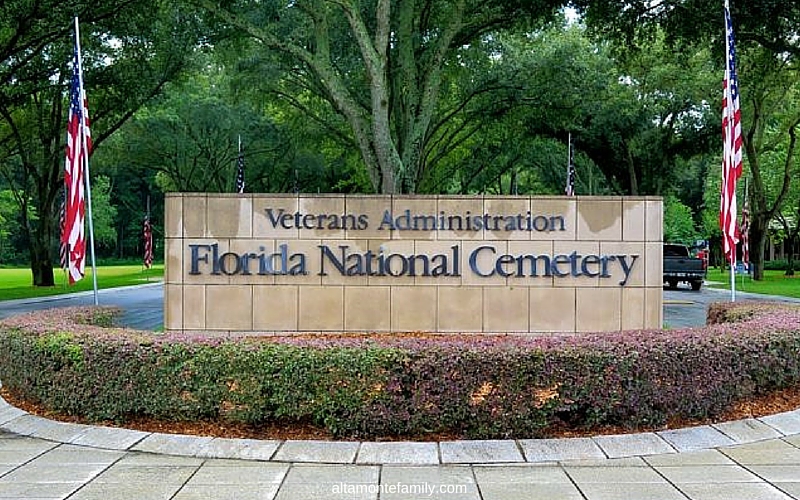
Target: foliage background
{"type": "Point", "coordinates": [71, 362]}
{"type": "Point", "coordinates": [174, 84]}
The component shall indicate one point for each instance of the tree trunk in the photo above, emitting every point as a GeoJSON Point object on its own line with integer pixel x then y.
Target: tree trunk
{"type": "Point", "coordinates": [792, 236]}
{"type": "Point", "coordinates": [43, 273]}
{"type": "Point", "coordinates": [758, 237]}
{"type": "Point", "coordinates": [120, 241]}
{"type": "Point", "coordinates": [41, 263]}
{"type": "Point", "coordinates": [791, 239]}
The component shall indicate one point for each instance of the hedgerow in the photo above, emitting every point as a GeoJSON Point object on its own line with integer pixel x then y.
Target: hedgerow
{"type": "Point", "coordinates": [73, 362]}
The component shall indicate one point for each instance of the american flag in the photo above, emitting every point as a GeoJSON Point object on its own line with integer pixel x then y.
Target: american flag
{"type": "Point", "coordinates": [744, 231]}
{"type": "Point", "coordinates": [240, 170]}
{"type": "Point", "coordinates": [569, 190]}
{"type": "Point", "coordinates": [732, 144]}
{"type": "Point", "coordinates": [147, 236]}
{"type": "Point", "coordinates": [79, 145]}
{"type": "Point", "coordinates": [63, 249]}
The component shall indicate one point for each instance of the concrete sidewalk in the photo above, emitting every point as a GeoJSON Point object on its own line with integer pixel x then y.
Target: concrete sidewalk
{"type": "Point", "coordinates": [755, 459]}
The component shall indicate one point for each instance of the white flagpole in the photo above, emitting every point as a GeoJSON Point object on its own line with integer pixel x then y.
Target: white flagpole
{"type": "Point", "coordinates": [569, 161]}
{"type": "Point", "coordinates": [86, 159]}
{"type": "Point", "coordinates": [733, 277]}
{"type": "Point", "coordinates": [569, 149]}
{"type": "Point", "coordinates": [238, 166]}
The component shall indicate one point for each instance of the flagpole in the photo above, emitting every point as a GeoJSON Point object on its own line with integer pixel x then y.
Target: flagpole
{"type": "Point", "coordinates": [239, 181]}
{"type": "Point", "coordinates": [569, 189]}
{"type": "Point", "coordinates": [732, 154]}
{"type": "Point", "coordinates": [733, 275]}
{"type": "Point", "coordinates": [86, 161]}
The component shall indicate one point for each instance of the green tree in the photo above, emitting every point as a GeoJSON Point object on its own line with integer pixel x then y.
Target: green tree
{"type": "Point", "coordinates": [104, 214]}
{"type": "Point", "coordinates": [790, 223]}
{"type": "Point", "coordinates": [131, 49]}
{"type": "Point", "coordinates": [768, 49]}
{"type": "Point", "coordinates": [383, 66]}
{"type": "Point", "coordinates": [193, 144]}
{"type": "Point", "coordinates": [770, 124]}
{"type": "Point", "coordinates": [771, 24]}
{"type": "Point", "coordinates": [653, 117]}
{"type": "Point", "coordinates": [9, 228]}
{"type": "Point", "coordinates": [778, 173]}
{"type": "Point", "coordinates": [679, 224]}
{"type": "Point", "coordinates": [188, 139]}
{"type": "Point", "coordinates": [513, 140]}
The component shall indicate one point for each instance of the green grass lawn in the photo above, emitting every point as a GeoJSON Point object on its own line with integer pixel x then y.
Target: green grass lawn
{"type": "Point", "coordinates": [16, 283]}
{"type": "Point", "coordinates": [774, 283]}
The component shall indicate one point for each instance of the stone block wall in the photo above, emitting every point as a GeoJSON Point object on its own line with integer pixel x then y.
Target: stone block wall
{"type": "Point", "coordinates": [213, 232]}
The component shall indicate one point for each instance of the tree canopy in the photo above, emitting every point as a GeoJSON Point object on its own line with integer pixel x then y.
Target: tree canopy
{"type": "Point", "coordinates": [391, 96]}
{"type": "Point", "coordinates": [386, 66]}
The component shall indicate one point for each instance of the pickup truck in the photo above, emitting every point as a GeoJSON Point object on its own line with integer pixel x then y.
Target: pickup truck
{"type": "Point", "coordinates": [679, 266]}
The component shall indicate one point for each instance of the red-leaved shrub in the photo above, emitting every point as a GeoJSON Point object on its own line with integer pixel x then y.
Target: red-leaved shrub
{"type": "Point", "coordinates": [73, 361]}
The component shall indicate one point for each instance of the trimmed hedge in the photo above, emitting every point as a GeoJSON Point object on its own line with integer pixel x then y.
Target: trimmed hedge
{"type": "Point", "coordinates": [779, 265]}
{"type": "Point", "coordinates": [72, 361]}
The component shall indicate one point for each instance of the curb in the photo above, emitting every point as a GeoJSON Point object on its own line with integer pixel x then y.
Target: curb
{"type": "Point", "coordinates": [62, 296]}
{"type": "Point", "coordinates": [756, 296]}
{"type": "Point", "coordinates": [522, 451]}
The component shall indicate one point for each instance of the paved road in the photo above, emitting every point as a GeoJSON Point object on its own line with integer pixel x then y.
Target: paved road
{"type": "Point", "coordinates": [684, 307]}
{"type": "Point", "coordinates": [143, 304]}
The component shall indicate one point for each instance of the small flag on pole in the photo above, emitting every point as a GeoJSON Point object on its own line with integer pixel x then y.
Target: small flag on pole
{"type": "Point", "coordinates": [732, 145]}
{"type": "Point", "coordinates": [744, 230]}
{"type": "Point", "coordinates": [79, 145]}
{"type": "Point", "coordinates": [569, 190]}
{"type": "Point", "coordinates": [147, 237]}
{"type": "Point", "coordinates": [240, 169]}
{"type": "Point", "coordinates": [63, 249]}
